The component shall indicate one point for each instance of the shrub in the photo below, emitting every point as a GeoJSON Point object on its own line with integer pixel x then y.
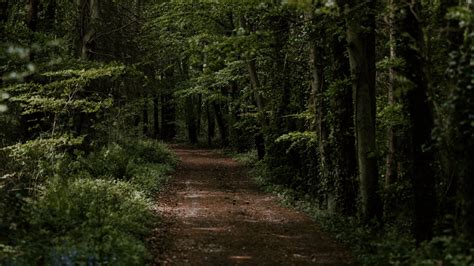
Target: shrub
{"type": "Point", "coordinates": [111, 161]}
{"type": "Point", "coordinates": [120, 160]}
{"type": "Point", "coordinates": [149, 177]}
{"type": "Point", "coordinates": [86, 220]}
{"type": "Point", "coordinates": [294, 153]}
{"type": "Point", "coordinates": [150, 151]}
{"type": "Point", "coordinates": [24, 167]}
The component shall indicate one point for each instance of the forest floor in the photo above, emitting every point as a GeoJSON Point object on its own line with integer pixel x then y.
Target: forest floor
{"type": "Point", "coordinates": [214, 214]}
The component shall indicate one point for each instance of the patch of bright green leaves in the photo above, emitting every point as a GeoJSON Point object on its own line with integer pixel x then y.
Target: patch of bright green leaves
{"type": "Point", "coordinates": [62, 206]}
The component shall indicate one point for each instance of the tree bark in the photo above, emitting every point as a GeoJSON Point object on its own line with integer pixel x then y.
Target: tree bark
{"type": "Point", "coordinates": [32, 14]}
{"type": "Point", "coordinates": [4, 10]}
{"type": "Point", "coordinates": [221, 123]}
{"type": "Point", "coordinates": [145, 115]}
{"type": "Point", "coordinates": [191, 119]}
{"type": "Point", "coordinates": [361, 47]}
{"type": "Point", "coordinates": [342, 157]}
{"type": "Point", "coordinates": [168, 108]}
{"type": "Point", "coordinates": [259, 139]}
{"type": "Point", "coordinates": [391, 172]}
{"type": "Point", "coordinates": [156, 117]}
{"type": "Point", "coordinates": [89, 14]}
{"type": "Point", "coordinates": [211, 126]}
{"type": "Point", "coordinates": [420, 168]}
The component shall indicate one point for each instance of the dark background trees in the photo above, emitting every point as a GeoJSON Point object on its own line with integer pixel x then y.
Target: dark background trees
{"type": "Point", "coordinates": [364, 107]}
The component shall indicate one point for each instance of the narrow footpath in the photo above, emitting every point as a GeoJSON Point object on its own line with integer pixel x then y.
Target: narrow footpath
{"type": "Point", "coordinates": [214, 214]}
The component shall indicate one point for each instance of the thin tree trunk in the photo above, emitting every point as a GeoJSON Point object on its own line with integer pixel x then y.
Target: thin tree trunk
{"type": "Point", "coordinates": [32, 14]}
{"type": "Point", "coordinates": [191, 119]}
{"type": "Point", "coordinates": [259, 138]}
{"type": "Point", "coordinates": [89, 15]}
{"type": "Point", "coordinates": [221, 123]}
{"type": "Point", "coordinates": [145, 115]}
{"type": "Point", "coordinates": [391, 162]}
{"type": "Point", "coordinates": [4, 10]}
{"type": "Point", "coordinates": [211, 126]}
{"type": "Point", "coordinates": [51, 12]}
{"type": "Point", "coordinates": [199, 114]}
{"type": "Point", "coordinates": [156, 117]}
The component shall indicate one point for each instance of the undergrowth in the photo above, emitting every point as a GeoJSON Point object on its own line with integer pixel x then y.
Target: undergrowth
{"type": "Point", "coordinates": [377, 245]}
{"type": "Point", "coordinates": [69, 207]}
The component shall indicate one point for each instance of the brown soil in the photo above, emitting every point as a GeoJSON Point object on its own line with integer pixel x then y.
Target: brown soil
{"type": "Point", "coordinates": [214, 214]}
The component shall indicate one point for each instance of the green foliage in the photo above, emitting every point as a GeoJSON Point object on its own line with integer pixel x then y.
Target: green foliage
{"type": "Point", "coordinates": [374, 245]}
{"type": "Point", "coordinates": [294, 153]}
{"type": "Point", "coordinates": [88, 220]}
{"type": "Point", "coordinates": [149, 178]}
{"type": "Point", "coordinates": [112, 160]}
{"type": "Point", "coordinates": [150, 151]}
{"type": "Point", "coordinates": [74, 217]}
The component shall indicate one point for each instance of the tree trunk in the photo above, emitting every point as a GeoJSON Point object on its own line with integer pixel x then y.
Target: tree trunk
{"type": "Point", "coordinates": [221, 123]}
{"type": "Point", "coordinates": [88, 17]}
{"type": "Point", "coordinates": [361, 47]}
{"type": "Point", "coordinates": [342, 157]}
{"type": "Point", "coordinates": [199, 114]}
{"type": "Point", "coordinates": [51, 12]}
{"type": "Point", "coordinates": [168, 108]}
{"type": "Point", "coordinates": [420, 168]}
{"type": "Point", "coordinates": [191, 119]}
{"type": "Point", "coordinates": [145, 115]}
{"type": "Point", "coordinates": [156, 117]}
{"type": "Point", "coordinates": [211, 126]}
{"type": "Point", "coordinates": [318, 107]}
{"type": "Point", "coordinates": [391, 172]}
{"type": "Point", "coordinates": [3, 10]}
{"type": "Point", "coordinates": [259, 139]}
{"type": "Point", "coordinates": [32, 14]}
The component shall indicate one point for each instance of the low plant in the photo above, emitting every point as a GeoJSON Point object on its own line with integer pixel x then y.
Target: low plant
{"type": "Point", "coordinates": [88, 220]}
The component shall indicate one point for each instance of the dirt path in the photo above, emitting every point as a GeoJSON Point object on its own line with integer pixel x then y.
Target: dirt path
{"type": "Point", "coordinates": [215, 215]}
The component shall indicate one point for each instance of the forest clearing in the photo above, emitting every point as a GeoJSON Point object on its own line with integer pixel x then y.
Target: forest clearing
{"type": "Point", "coordinates": [221, 132]}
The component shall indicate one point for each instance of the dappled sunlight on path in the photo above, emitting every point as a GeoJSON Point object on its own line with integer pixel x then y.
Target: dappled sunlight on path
{"type": "Point", "coordinates": [215, 215]}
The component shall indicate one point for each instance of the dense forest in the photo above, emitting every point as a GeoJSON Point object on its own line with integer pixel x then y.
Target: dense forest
{"type": "Point", "coordinates": [361, 110]}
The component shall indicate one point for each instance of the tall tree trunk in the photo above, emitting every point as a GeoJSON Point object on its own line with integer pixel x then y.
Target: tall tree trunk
{"type": "Point", "coordinates": [51, 12]}
{"type": "Point", "coordinates": [259, 138]}
{"type": "Point", "coordinates": [199, 114]}
{"type": "Point", "coordinates": [168, 107]}
{"type": "Point", "coordinates": [317, 103]}
{"type": "Point", "coordinates": [420, 169]}
{"type": "Point", "coordinates": [391, 172]}
{"type": "Point", "coordinates": [88, 17]}
{"type": "Point", "coordinates": [145, 115]}
{"type": "Point", "coordinates": [221, 123]}
{"type": "Point", "coordinates": [191, 119]}
{"type": "Point", "coordinates": [32, 14]}
{"type": "Point", "coordinates": [168, 117]}
{"type": "Point", "coordinates": [259, 99]}
{"type": "Point", "coordinates": [156, 116]}
{"type": "Point", "coordinates": [342, 157]}
{"type": "Point", "coordinates": [211, 125]}
{"type": "Point", "coordinates": [4, 10]}
{"type": "Point", "coordinates": [361, 47]}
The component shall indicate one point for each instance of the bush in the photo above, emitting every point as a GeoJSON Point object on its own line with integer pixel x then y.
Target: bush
{"type": "Point", "coordinates": [292, 160]}
{"type": "Point", "coordinates": [24, 167]}
{"type": "Point", "coordinates": [150, 177]}
{"type": "Point", "coordinates": [150, 151]}
{"type": "Point", "coordinates": [84, 221]}
{"type": "Point", "coordinates": [112, 161]}
{"type": "Point", "coordinates": [120, 160]}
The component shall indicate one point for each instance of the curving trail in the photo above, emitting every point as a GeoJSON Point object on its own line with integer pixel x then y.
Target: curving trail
{"type": "Point", "coordinates": [214, 214]}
